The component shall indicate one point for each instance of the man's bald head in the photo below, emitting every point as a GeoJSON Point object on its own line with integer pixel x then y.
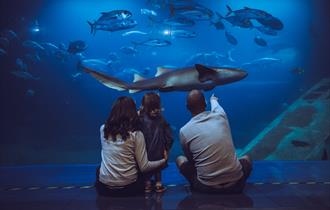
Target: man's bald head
{"type": "Point", "coordinates": [196, 102]}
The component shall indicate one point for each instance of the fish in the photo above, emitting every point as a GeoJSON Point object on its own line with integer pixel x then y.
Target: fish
{"type": "Point", "coordinates": [261, 16]}
{"type": "Point", "coordinates": [33, 45]}
{"type": "Point", "coordinates": [196, 12]}
{"type": "Point", "coordinates": [114, 15]}
{"type": "Point", "coordinates": [153, 43]}
{"type": "Point", "coordinates": [21, 65]}
{"type": "Point", "coordinates": [261, 63]}
{"type": "Point", "coordinates": [76, 75]}
{"type": "Point", "coordinates": [24, 75]}
{"type": "Point", "coordinates": [260, 41]}
{"type": "Point", "coordinates": [180, 33]}
{"type": "Point", "coordinates": [34, 58]}
{"type": "Point", "coordinates": [2, 52]}
{"type": "Point", "coordinates": [272, 23]}
{"type": "Point", "coordinates": [184, 79]}
{"type": "Point", "coordinates": [157, 4]}
{"type": "Point", "coordinates": [9, 34]}
{"type": "Point", "coordinates": [62, 46]}
{"type": "Point", "coordinates": [248, 13]}
{"type": "Point", "coordinates": [112, 26]}
{"type": "Point", "coordinates": [50, 48]}
{"type": "Point", "coordinates": [99, 64]}
{"type": "Point", "coordinates": [211, 59]}
{"type": "Point", "coordinates": [4, 42]}
{"type": "Point", "coordinates": [237, 21]}
{"type": "Point", "coordinates": [61, 55]}
{"type": "Point", "coordinates": [230, 38]}
{"type": "Point", "coordinates": [129, 50]}
{"type": "Point", "coordinates": [298, 70]}
{"type": "Point", "coordinates": [299, 143]}
{"type": "Point", "coordinates": [30, 92]}
{"type": "Point", "coordinates": [113, 57]}
{"type": "Point", "coordinates": [266, 30]}
{"type": "Point", "coordinates": [148, 12]}
{"type": "Point", "coordinates": [135, 71]}
{"type": "Point", "coordinates": [178, 21]}
{"type": "Point", "coordinates": [218, 24]}
{"type": "Point", "coordinates": [134, 32]}
{"type": "Point", "coordinates": [77, 47]}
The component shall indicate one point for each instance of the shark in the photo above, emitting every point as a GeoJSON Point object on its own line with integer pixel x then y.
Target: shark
{"type": "Point", "coordinates": [167, 79]}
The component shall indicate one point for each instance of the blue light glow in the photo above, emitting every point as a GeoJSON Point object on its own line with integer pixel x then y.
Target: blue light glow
{"type": "Point", "coordinates": [167, 32]}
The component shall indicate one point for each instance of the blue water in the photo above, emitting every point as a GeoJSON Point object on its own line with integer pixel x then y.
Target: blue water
{"type": "Point", "coordinates": [59, 122]}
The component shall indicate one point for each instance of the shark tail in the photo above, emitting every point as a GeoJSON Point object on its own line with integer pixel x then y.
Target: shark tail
{"type": "Point", "coordinates": [92, 25]}
{"type": "Point", "coordinates": [108, 81]}
{"type": "Point", "coordinates": [229, 10]}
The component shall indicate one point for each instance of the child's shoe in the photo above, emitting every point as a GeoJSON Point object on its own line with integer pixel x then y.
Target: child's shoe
{"type": "Point", "coordinates": [148, 187]}
{"type": "Point", "coordinates": [159, 188]}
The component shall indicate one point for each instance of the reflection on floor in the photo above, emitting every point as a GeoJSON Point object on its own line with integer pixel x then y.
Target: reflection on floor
{"type": "Point", "coordinates": [300, 133]}
{"type": "Point", "coordinates": [273, 184]}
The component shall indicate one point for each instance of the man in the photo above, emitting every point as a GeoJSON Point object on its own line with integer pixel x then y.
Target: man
{"type": "Point", "coordinates": [210, 163]}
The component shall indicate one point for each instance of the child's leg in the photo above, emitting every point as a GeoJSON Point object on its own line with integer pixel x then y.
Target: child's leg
{"type": "Point", "coordinates": [159, 187]}
{"type": "Point", "coordinates": [147, 183]}
{"type": "Point", "coordinates": [158, 177]}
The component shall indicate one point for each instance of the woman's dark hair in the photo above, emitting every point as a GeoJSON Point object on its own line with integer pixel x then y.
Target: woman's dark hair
{"type": "Point", "coordinates": [151, 103]}
{"type": "Point", "coordinates": [122, 119]}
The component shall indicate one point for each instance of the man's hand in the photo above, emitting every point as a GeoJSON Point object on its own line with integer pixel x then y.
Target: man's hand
{"type": "Point", "coordinates": [213, 97]}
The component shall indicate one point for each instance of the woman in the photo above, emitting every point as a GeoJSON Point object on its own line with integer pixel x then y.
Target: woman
{"type": "Point", "coordinates": [123, 152]}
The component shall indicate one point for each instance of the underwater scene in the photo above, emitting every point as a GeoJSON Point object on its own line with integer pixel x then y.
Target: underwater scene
{"type": "Point", "coordinates": [64, 62]}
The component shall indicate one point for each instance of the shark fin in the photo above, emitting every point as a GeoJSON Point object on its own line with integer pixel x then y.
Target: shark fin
{"type": "Point", "coordinates": [162, 70]}
{"type": "Point", "coordinates": [204, 73]}
{"type": "Point", "coordinates": [138, 78]}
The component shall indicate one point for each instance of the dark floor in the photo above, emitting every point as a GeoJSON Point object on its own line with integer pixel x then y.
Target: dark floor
{"type": "Point", "coordinates": [272, 185]}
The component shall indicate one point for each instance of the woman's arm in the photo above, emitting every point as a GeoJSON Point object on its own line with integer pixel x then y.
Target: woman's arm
{"type": "Point", "coordinates": [141, 155]}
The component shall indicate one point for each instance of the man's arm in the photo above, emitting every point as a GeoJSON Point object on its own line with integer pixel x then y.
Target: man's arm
{"type": "Point", "coordinates": [185, 148]}
{"type": "Point", "coordinates": [215, 106]}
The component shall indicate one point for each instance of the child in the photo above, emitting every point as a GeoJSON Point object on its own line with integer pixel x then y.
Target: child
{"type": "Point", "coordinates": [157, 134]}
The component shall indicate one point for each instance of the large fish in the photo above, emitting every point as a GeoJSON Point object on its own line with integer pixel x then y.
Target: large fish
{"type": "Point", "coordinates": [114, 15]}
{"type": "Point", "coordinates": [77, 47]}
{"type": "Point", "coordinates": [191, 10]}
{"type": "Point", "coordinates": [153, 43]}
{"type": "Point", "coordinates": [238, 21]}
{"type": "Point", "coordinates": [112, 25]}
{"type": "Point", "coordinates": [185, 79]}
{"type": "Point", "coordinates": [33, 45]}
{"type": "Point", "coordinates": [230, 38]}
{"type": "Point", "coordinates": [260, 41]}
{"type": "Point", "coordinates": [178, 21]}
{"type": "Point", "coordinates": [24, 75]}
{"type": "Point", "coordinates": [180, 33]}
{"type": "Point", "coordinates": [261, 16]}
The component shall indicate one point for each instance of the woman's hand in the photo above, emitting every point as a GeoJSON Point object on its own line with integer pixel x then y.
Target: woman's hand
{"type": "Point", "coordinates": [165, 155]}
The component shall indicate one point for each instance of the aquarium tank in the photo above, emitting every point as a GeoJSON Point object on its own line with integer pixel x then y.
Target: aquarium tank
{"type": "Point", "coordinates": [64, 62]}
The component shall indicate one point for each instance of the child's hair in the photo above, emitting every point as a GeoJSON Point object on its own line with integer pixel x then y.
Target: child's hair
{"type": "Point", "coordinates": [151, 104]}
